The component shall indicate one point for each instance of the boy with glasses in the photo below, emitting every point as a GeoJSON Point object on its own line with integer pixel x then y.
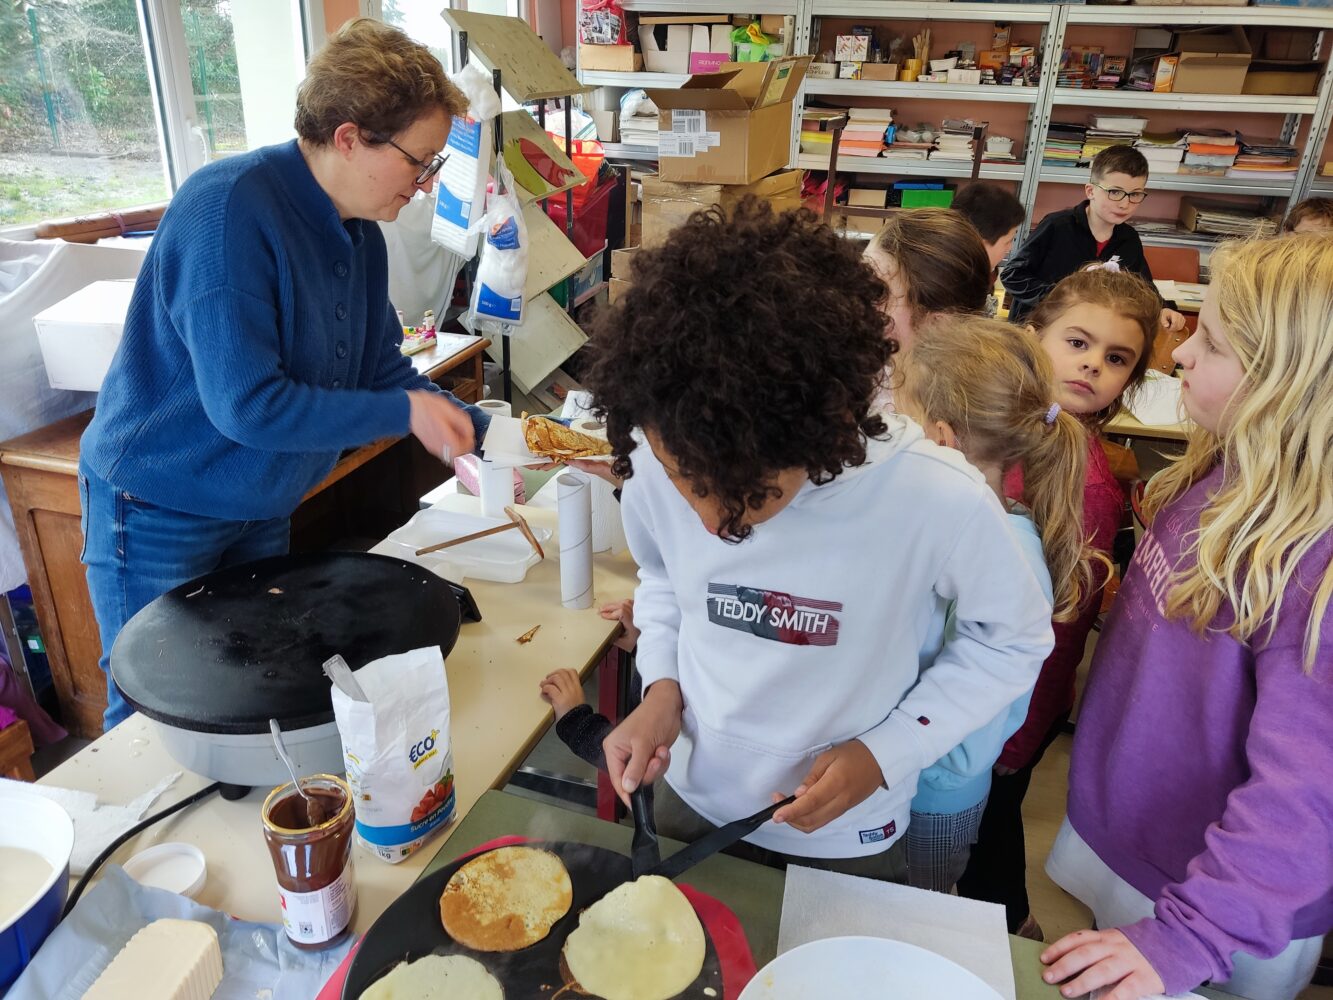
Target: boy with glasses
{"type": "Point", "coordinates": [1096, 229]}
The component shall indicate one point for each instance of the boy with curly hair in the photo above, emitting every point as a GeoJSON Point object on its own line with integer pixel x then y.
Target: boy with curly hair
{"type": "Point", "coordinates": [792, 544]}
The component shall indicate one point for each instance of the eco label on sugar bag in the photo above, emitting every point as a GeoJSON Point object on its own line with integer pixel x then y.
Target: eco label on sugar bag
{"type": "Point", "coordinates": [397, 751]}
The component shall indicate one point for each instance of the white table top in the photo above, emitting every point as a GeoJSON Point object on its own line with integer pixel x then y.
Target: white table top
{"type": "Point", "coordinates": [497, 717]}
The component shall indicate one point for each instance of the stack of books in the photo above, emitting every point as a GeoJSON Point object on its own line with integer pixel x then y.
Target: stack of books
{"type": "Point", "coordinates": [816, 130]}
{"type": "Point", "coordinates": [954, 143]}
{"type": "Point", "coordinates": [1209, 152]}
{"type": "Point", "coordinates": [1064, 144]}
{"type": "Point", "coordinates": [1162, 150]}
{"type": "Point", "coordinates": [864, 134]}
{"type": "Point", "coordinates": [1111, 130]}
{"type": "Point", "coordinates": [1265, 158]}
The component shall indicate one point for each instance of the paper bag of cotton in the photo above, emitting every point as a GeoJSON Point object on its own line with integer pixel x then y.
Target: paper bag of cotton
{"type": "Point", "coordinates": [502, 271]}
{"type": "Point", "coordinates": [393, 717]}
{"type": "Point", "coordinates": [460, 187]}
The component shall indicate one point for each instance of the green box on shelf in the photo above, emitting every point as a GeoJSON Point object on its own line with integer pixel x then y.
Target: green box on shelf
{"type": "Point", "coordinates": [920, 198]}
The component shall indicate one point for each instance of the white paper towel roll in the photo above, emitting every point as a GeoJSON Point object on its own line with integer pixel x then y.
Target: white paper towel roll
{"type": "Point", "coordinates": [496, 484]}
{"type": "Point", "coordinates": [608, 533]}
{"type": "Point", "coordinates": [496, 407]}
{"type": "Point", "coordinates": [574, 510]}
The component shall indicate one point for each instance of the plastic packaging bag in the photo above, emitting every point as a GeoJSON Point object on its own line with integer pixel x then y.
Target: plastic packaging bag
{"type": "Point", "coordinates": [460, 187]}
{"type": "Point", "coordinates": [396, 746]}
{"type": "Point", "coordinates": [502, 271]}
{"type": "Point", "coordinates": [602, 22]}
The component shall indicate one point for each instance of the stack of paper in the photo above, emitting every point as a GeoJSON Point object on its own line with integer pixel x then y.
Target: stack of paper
{"type": "Point", "coordinates": [816, 129]}
{"type": "Point", "coordinates": [1210, 152]}
{"type": "Point", "coordinates": [1223, 219]}
{"type": "Point", "coordinates": [1265, 158]}
{"type": "Point", "coordinates": [639, 130]}
{"type": "Point", "coordinates": [900, 150]}
{"type": "Point", "coordinates": [1064, 144]}
{"type": "Point", "coordinates": [1162, 150]}
{"type": "Point", "coordinates": [864, 134]}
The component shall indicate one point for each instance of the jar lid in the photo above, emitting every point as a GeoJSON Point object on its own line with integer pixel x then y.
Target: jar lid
{"type": "Point", "coordinates": [178, 868]}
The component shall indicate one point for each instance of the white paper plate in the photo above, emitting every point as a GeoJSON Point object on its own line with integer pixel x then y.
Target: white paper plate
{"type": "Point", "coordinates": [863, 968]}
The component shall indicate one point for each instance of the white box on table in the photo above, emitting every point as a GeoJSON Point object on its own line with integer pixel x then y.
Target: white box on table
{"type": "Point", "coordinates": [78, 336]}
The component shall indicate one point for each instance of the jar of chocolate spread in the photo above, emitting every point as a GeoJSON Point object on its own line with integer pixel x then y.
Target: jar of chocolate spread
{"type": "Point", "coordinates": [312, 855]}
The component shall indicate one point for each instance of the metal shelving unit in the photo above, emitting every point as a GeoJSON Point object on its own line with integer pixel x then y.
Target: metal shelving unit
{"type": "Point", "coordinates": [918, 168]}
{"type": "Point", "coordinates": [1044, 99]}
{"type": "Point", "coordinates": [916, 91]}
{"type": "Point", "coordinates": [620, 151]}
{"type": "Point", "coordinates": [1196, 183]}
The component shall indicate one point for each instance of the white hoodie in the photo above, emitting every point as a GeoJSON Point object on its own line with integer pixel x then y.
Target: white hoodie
{"type": "Point", "coordinates": [806, 635]}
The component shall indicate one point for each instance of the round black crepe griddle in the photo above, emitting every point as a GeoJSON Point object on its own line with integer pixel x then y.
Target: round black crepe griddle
{"type": "Point", "coordinates": [228, 651]}
{"type": "Point", "coordinates": [410, 929]}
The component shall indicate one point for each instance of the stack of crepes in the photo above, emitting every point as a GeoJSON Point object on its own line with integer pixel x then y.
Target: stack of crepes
{"type": "Point", "coordinates": [548, 437]}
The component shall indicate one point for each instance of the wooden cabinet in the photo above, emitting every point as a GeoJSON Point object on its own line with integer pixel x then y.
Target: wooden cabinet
{"type": "Point", "coordinates": [370, 491]}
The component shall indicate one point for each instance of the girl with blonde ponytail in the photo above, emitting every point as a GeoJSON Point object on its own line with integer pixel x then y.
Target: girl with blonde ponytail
{"type": "Point", "coordinates": [984, 388]}
{"type": "Point", "coordinates": [1200, 801]}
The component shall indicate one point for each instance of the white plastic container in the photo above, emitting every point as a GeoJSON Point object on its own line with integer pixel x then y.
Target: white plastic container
{"type": "Point", "coordinates": [79, 335]}
{"type": "Point", "coordinates": [502, 558]}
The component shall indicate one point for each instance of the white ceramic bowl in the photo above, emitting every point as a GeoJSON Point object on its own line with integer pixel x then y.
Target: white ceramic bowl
{"type": "Point", "coordinates": [35, 824]}
{"type": "Point", "coordinates": [863, 968]}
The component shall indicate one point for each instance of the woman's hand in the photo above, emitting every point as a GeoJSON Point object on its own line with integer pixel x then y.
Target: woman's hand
{"type": "Point", "coordinates": [1097, 959]}
{"type": "Point", "coordinates": [443, 428]}
{"type": "Point", "coordinates": [639, 749]}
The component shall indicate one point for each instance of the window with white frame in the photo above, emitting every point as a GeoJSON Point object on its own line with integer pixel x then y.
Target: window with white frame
{"type": "Point", "coordinates": [106, 104]}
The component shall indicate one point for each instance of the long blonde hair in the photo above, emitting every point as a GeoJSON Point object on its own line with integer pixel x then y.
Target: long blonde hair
{"type": "Point", "coordinates": [991, 382]}
{"type": "Point", "coordinates": [1275, 503]}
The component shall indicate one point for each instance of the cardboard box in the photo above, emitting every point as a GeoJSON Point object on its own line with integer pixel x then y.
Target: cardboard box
{"type": "Point", "coordinates": [851, 48]}
{"type": "Point", "coordinates": [608, 125]}
{"type": "Point", "coordinates": [879, 71]}
{"type": "Point", "coordinates": [78, 335]}
{"type": "Point", "coordinates": [969, 77]}
{"type": "Point", "coordinates": [1164, 75]}
{"type": "Point", "coordinates": [1296, 44]}
{"type": "Point", "coordinates": [822, 71]}
{"type": "Point", "coordinates": [615, 59]}
{"type": "Point", "coordinates": [732, 127]}
{"type": "Point", "coordinates": [666, 205]}
{"type": "Point", "coordinates": [1212, 62]}
{"type": "Point", "coordinates": [1281, 76]}
{"type": "Point", "coordinates": [849, 71]}
{"type": "Point", "coordinates": [610, 58]}
{"type": "Point", "coordinates": [621, 261]}
{"type": "Point", "coordinates": [616, 289]}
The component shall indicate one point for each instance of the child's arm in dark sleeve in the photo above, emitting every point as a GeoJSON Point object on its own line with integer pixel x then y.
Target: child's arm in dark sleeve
{"type": "Point", "coordinates": [1024, 276]}
{"type": "Point", "coordinates": [583, 730]}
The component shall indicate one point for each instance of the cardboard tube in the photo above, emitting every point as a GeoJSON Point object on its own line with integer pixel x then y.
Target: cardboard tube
{"type": "Point", "coordinates": [574, 510]}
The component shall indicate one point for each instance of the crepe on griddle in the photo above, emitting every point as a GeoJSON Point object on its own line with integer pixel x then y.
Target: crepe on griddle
{"type": "Point", "coordinates": [641, 941]}
{"type": "Point", "coordinates": [552, 439]}
{"type": "Point", "coordinates": [506, 899]}
{"type": "Point", "coordinates": [436, 977]}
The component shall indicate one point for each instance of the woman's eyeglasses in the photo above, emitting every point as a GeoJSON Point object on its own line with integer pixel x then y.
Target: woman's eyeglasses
{"type": "Point", "coordinates": [429, 168]}
{"type": "Point", "coordinates": [1116, 194]}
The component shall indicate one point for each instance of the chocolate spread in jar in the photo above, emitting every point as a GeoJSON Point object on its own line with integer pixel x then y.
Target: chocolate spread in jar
{"type": "Point", "coordinates": [313, 861]}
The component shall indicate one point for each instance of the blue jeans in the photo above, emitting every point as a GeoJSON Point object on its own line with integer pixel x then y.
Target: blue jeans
{"type": "Point", "coordinates": [136, 551]}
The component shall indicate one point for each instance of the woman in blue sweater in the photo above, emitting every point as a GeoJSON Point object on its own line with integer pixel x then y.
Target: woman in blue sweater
{"type": "Point", "coordinates": [260, 341]}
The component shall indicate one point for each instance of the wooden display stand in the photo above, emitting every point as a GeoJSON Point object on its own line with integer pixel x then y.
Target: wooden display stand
{"type": "Point", "coordinates": [371, 491]}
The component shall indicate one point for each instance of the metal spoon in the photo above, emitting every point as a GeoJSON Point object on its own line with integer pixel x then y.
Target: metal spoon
{"type": "Point", "coordinates": [314, 809]}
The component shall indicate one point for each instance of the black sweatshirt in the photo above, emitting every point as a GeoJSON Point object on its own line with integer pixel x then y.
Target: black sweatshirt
{"type": "Point", "coordinates": [582, 730]}
{"type": "Point", "coordinates": [1060, 245]}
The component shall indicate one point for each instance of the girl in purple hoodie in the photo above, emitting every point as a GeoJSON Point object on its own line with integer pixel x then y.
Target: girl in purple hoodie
{"type": "Point", "coordinates": [1200, 826]}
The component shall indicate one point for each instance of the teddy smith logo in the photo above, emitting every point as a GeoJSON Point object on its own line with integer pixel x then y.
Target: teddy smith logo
{"type": "Point", "coordinates": [770, 614]}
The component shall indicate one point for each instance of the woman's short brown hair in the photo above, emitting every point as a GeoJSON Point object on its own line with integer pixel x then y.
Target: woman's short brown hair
{"type": "Point", "coordinates": [1311, 209]}
{"type": "Point", "coordinates": [941, 259]}
{"type": "Point", "coordinates": [376, 77]}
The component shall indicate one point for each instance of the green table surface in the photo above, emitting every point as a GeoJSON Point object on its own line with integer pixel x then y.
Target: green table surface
{"type": "Point", "coordinates": [752, 891]}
